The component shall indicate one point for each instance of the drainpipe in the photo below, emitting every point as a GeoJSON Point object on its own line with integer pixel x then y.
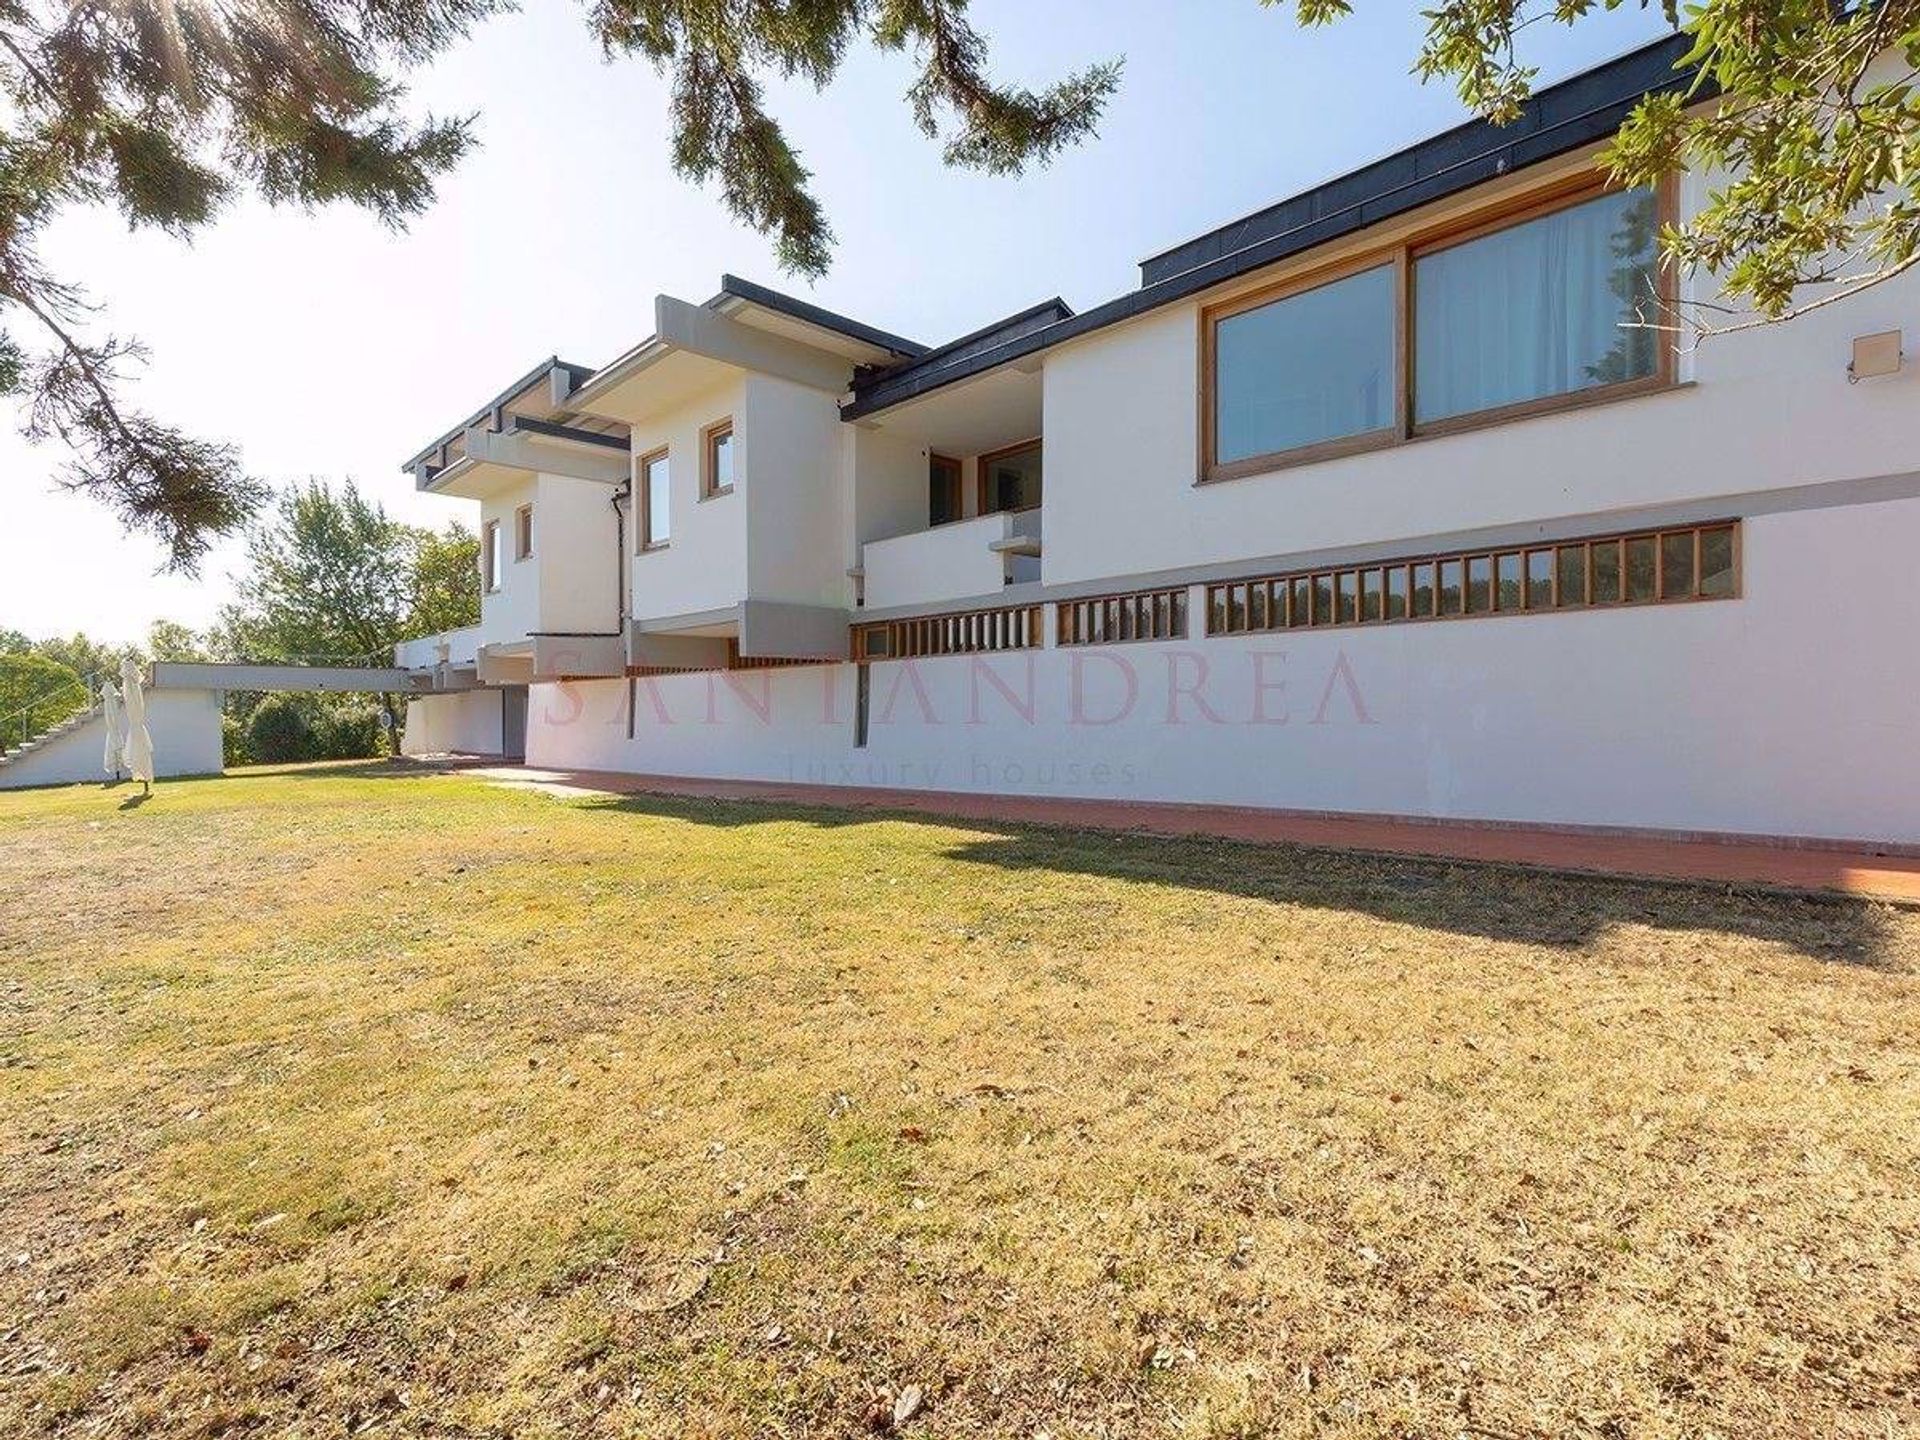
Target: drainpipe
{"type": "Point", "coordinates": [620, 500]}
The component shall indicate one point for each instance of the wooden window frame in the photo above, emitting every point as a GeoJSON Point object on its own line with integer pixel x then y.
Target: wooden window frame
{"type": "Point", "coordinates": [645, 535]}
{"type": "Point", "coordinates": [986, 458]}
{"type": "Point", "coordinates": [958, 472]}
{"type": "Point", "coordinates": [1401, 255]}
{"type": "Point", "coordinates": [1229, 609]}
{"type": "Point", "coordinates": [491, 554]}
{"type": "Point", "coordinates": [523, 533]}
{"type": "Point", "coordinates": [709, 466]}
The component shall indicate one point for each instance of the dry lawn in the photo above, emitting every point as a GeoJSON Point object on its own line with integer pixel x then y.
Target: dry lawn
{"type": "Point", "coordinates": [340, 1102]}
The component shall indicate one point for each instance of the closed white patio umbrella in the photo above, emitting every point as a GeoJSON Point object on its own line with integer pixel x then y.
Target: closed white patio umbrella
{"type": "Point", "coordinates": [115, 760]}
{"type": "Point", "coordinates": [139, 748]}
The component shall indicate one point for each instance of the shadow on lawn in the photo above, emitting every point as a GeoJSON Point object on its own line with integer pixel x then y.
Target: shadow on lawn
{"type": "Point", "coordinates": [381, 767]}
{"type": "Point", "coordinates": [1491, 901]}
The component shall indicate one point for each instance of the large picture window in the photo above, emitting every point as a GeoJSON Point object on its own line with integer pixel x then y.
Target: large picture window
{"type": "Point", "coordinates": [1306, 369]}
{"type": "Point", "coordinates": [1550, 303]}
{"type": "Point", "coordinates": [1542, 308]}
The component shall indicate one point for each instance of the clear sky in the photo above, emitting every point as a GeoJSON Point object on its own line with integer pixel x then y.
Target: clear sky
{"type": "Point", "coordinates": [325, 345]}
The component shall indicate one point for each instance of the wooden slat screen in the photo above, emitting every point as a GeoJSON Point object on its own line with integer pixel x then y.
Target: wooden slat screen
{"type": "Point", "coordinates": [1666, 566]}
{"type": "Point", "coordinates": [1117, 619]}
{"type": "Point", "coordinates": [965, 632]}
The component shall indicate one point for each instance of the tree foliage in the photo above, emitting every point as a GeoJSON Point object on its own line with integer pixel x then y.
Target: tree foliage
{"type": "Point", "coordinates": [722, 131]}
{"type": "Point", "coordinates": [444, 580]}
{"type": "Point", "coordinates": [331, 578]}
{"type": "Point", "coordinates": [88, 658]}
{"type": "Point", "coordinates": [36, 693]}
{"type": "Point", "coordinates": [1816, 135]}
{"type": "Point", "coordinates": [168, 112]}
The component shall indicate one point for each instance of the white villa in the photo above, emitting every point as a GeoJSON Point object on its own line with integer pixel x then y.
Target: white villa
{"type": "Point", "coordinates": [1369, 502]}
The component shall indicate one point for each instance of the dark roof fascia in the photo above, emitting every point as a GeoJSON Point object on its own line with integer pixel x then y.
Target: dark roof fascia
{"type": "Point", "coordinates": [733, 285]}
{"type": "Point", "coordinates": [527, 425]}
{"type": "Point", "coordinates": [1434, 170]}
{"type": "Point", "coordinates": [1012, 327]}
{"type": "Point", "coordinates": [495, 409]}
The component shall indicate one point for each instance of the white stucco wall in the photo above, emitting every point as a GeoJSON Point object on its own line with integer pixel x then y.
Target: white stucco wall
{"type": "Point", "coordinates": [425, 650]}
{"type": "Point", "coordinates": [797, 500]}
{"type": "Point", "coordinates": [889, 486]}
{"type": "Point", "coordinates": [1766, 409]}
{"type": "Point", "coordinates": [1742, 715]}
{"type": "Point", "coordinates": [947, 562]}
{"type": "Point", "coordinates": [576, 557]}
{"type": "Point", "coordinates": [512, 612]}
{"type": "Point", "coordinates": [184, 725]}
{"type": "Point", "coordinates": [704, 567]}
{"type": "Point", "coordinates": [467, 722]}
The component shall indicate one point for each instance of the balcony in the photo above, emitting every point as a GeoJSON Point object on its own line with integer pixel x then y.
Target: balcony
{"type": "Point", "coordinates": [448, 659]}
{"type": "Point", "coordinates": [963, 560]}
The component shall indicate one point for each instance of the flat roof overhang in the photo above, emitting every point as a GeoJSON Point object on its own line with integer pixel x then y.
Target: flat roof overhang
{"type": "Point", "coordinates": [492, 461]}
{"type": "Point", "coordinates": [540, 394]}
{"type": "Point", "coordinates": [695, 347]}
{"type": "Point", "coordinates": [809, 324]}
{"type": "Point", "coordinates": [769, 629]}
{"type": "Point", "coordinates": [989, 410]}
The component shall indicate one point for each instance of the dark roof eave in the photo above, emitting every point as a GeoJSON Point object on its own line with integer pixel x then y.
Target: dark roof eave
{"type": "Point", "coordinates": [734, 286]}
{"type": "Point", "coordinates": [576, 374]}
{"type": "Point", "coordinates": [1528, 142]}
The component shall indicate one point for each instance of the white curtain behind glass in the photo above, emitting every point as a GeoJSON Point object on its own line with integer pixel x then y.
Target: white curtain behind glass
{"type": "Point", "coordinates": [1534, 310]}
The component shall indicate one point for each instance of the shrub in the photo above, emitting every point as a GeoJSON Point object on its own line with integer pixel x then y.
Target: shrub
{"type": "Point", "coordinates": [348, 732]}
{"type": "Point", "coordinates": [279, 732]}
{"type": "Point", "coordinates": [233, 742]}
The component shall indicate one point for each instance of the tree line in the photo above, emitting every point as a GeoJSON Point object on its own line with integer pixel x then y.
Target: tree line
{"type": "Point", "coordinates": [328, 578]}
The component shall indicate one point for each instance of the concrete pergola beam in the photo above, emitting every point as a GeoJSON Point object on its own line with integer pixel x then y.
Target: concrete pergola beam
{"type": "Point", "coordinates": [346, 679]}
